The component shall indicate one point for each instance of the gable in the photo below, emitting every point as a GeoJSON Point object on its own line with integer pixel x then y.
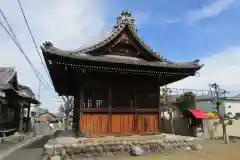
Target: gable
{"type": "Point", "coordinates": [126, 44]}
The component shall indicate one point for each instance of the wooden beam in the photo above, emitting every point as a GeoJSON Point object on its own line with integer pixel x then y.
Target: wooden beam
{"type": "Point", "coordinates": [28, 118]}
{"type": "Point", "coordinates": [159, 105]}
{"type": "Point", "coordinates": [79, 102]}
{"type": "Point", "coordinates": [135, 113]}
{"type": "Point", "coordinates": [21, 118]}
{"type": "Point", "coordinates": [75, 116]}
{"type": "Point", "coordinates": [119, 110]}
{"type": "Point", "coordinates": [109, 109]}
{"type": "Point", "coordinates": [81, 106]}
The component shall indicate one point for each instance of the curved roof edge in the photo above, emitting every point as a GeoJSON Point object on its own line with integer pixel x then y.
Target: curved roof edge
{"type": "Point", "coordinates": [136, 61]}
{"type": "Point", "coordinates": [124, 20]}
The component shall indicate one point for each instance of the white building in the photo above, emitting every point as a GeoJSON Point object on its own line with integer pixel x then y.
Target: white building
{"type": "Point", "coordinates": [34, 111]}
{"type": "Point", "coordinates": [232, 105]}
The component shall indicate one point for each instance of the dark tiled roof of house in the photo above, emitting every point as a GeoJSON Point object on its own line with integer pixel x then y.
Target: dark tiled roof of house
{"type": "Point", "coordinates": [27, 93]}
{"type": "Point", "coordinates": [48, 113]}
{"type": "Point", "coordinates": [6, 74]}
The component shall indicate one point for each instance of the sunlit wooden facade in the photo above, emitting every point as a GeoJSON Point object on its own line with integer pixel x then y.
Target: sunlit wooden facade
{"type": "Point", "coordinates": [115, 82]}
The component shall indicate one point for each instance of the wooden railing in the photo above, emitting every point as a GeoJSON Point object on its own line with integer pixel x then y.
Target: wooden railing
{"type": "Point", "coordinates": [180, 91]}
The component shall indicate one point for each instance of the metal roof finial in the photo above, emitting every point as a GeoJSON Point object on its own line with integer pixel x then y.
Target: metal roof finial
{"type": "Point", "coordinates": [126, 17]}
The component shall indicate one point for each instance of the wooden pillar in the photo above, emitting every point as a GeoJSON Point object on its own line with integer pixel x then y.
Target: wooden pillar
{"type": "Point", "coordinates": [18, 108]}
{"type": "Point", "coordinates": [75, 116]}
{"type": "Point", "coordinates": [77, 111]}
{"type": "Point", "coordinates": [21, 118]}
{"type": "Point", "coordinates": [159, 105]}
{"type": "Point", "coordinates": [81, 106]}
{"type": "Point", "coordinates": [109, 109]}
{"type": "Point", "coordinates": [80, 103]}
{"type": "Point", "coordinates": [28, 118]}
{"type": "Point", "coordinates": [135, 110]}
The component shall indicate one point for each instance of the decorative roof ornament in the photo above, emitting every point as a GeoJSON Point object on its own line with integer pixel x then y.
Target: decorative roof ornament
{"type": "Point", "coordinates": [47, 44]}
{"type": "Point", "coordinates": [126, 17]}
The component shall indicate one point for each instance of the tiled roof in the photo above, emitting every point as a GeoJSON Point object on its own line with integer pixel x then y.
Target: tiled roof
{"type": "Point", "coordinates": [124, 20]}
{"type": "Point", "coordinates": [26, 91]}
{"type": "Point", "coordinates": [6, 75]}
{"type": "Point", "coordinates": [132, 61]}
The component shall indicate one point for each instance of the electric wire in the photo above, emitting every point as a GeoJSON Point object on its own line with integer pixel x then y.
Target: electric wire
{"type": "Point", "coordinates": [32, 37]}
{"type": "Point", "coordinates": [12, 35]}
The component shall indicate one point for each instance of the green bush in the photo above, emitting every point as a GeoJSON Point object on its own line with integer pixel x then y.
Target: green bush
{"type": "Point", "coordinates": [186, 101]}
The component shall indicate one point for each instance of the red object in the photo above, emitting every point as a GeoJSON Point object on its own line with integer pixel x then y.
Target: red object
{"type": "Point", "coordinates": [198, 113]}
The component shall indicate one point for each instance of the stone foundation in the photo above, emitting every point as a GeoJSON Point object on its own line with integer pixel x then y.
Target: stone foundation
{"type": "Point", "coordinates": [70, 148]}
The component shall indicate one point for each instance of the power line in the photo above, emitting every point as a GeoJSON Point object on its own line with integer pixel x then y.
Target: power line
{"type": "Point", "coordinates": [10, 28]}
{"type": "Point", "coordinates": [30, 32]}
{"type": "Point", "coordinates": [201, 14]}
{"type": "Point", "coordinates": [14, 38]}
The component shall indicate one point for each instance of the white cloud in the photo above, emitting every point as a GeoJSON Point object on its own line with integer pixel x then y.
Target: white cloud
{"type": "Point", "coordinates": [191, 17]}
{"type": "Point", "coordinates": [222, 68]}
{"type": "Point", "coordinates": [209, 11]}
{"type": "Point", "coordinates": [68, 24]}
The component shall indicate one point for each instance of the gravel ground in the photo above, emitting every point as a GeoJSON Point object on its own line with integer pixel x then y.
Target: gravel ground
{"type": "Point", "coordinates": [213, 150]}
{"type": "Point", "coordinates": [31, 152]}
{"type": "Point", "coordinates": [9, 145]}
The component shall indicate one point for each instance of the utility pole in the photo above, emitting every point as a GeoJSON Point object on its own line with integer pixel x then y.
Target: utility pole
{"type": "Point", "coordinates": [168, 100]}
{"type": "Point", "coordinates": [35, 121]}
{"type": "Point", "coordinates": [216, 89]}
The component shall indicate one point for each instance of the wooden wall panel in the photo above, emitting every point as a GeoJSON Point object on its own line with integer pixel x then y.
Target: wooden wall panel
{"type": "Point", "coordinates": [147, 123]}
{"type": "Point", "coordinates": [94, 123]}
{"type": "Point", "coordinates": [122, 123]}
{"type": "Point", "coordinates": [97, 124]}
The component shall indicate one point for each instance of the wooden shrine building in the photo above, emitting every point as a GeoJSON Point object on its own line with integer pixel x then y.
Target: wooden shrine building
{"type": "Point", "coordinates": [13, 99]}
{"type": "Point", "coordinates": [115, 82]}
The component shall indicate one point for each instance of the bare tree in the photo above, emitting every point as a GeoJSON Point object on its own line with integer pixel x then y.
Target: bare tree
{"type": "Point", "coordinates": [67, 108]}
{"type": "Point", "coordinates": [224, 119]}
{"type": "Point", "coordinates": [166, 92]}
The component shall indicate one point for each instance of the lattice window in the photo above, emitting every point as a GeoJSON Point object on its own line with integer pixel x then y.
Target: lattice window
{"type": "Point", "coordinates": [95, 98]}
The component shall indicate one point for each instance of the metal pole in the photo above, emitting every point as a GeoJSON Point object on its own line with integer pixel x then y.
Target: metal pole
{"type": "Point", "coordinates": [225, 136]}
{"type": "Point", "coordinates": [39, 91]}
{"type": "Point", "coordinates": [37, 115]}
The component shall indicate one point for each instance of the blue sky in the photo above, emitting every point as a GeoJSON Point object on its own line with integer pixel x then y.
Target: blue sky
{"type": "Point", "coordinates": [180, 30]}
{"type": "Point", "coordinates": [165, 26]}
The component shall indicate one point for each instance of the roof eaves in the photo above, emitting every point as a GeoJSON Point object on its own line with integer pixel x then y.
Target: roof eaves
{"type": "Point", "coordinates": [48, 46]}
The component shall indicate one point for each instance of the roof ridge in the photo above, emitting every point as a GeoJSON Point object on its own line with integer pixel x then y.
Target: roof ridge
{"type": "Point", "coordinates": [125, 19]}
{"type": "Point", "coordinates": [5, 75]}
